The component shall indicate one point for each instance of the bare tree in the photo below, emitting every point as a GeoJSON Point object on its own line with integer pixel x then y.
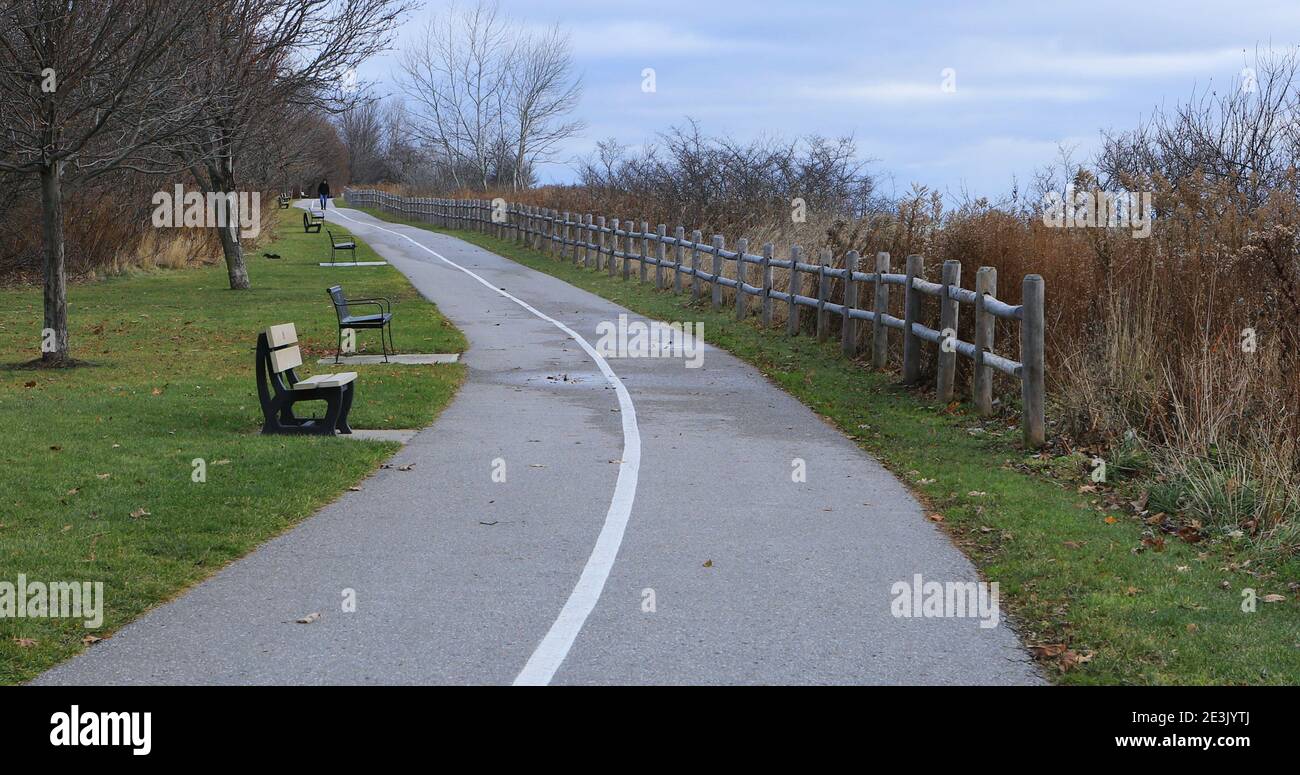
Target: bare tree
{"type": "Point", "coordinates": [543, 93]}
{"type": "Point", "coordinates": [488, 99]}
{"type": "Point", "coordinates": [303, 148]}
{"type": "Point", "coordinates": [687, 176]}
{"type": "Point", "coordinates": [267, 55]}
{"type": "Point", "coordinates": [457, 76]}
{"type": "Point", "coordinates": [361, 128]}
{"type": "Point", "coordinates": [87, 87]}
{"type": "Point", "coordinates": [1246, 136]}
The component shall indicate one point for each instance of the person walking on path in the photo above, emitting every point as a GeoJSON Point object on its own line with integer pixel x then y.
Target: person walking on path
{"type": "Point", "coordinates": [323, 191]}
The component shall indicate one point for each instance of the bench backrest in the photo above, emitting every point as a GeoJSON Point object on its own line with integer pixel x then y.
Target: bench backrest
{"type": "Point", "coordinates": [283, 343]}
{"type": "Point", "coordinates": [340, 301]}
{"type": "Point", "coordinates": [334, 239]}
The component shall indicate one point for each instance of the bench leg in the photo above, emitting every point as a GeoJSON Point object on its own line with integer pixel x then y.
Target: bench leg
{"type": "Point", "coordinates": [339, 348]}
{"type": "Point", "coordinates": [279, 418]}
{"type": "Point", "coordinates": [342, 425]}
{"type": "Point", "coordinates": [333, 409]}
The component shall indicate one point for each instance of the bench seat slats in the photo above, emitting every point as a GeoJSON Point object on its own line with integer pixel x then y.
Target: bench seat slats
{"type": "Point", "coordinates": [326, 381]}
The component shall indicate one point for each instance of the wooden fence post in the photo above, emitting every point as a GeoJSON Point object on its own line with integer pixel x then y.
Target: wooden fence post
{"type": "Point", "coordinates": [742, 270]}
{"type": "Point", "coordinates": [579, 241]}
{"type": "Point", "coordinates": [715, 288]}
{"type": "Point", "coordinates": [766, 310]}
{"type": "Point", "coordinates": [661, 255]}
{"type": "Point", "coordinates": [879, 331]}
{"type": "Point", "coordinates": [792, 310]}
{"type": "Point", "coordinates": [581, 235]}
{"type": "Point", "coordinates": [986, 284]}
{"type": "Point", "coordinates": [567, 249]}
{"type": "Point", "coordinates": [600, 239]}
{"type": "Point", "coordinates": [1033, 379]}
{"type": "Point", "coordinates": [696, 236]}
{"type": "Point", "coordinates": [823, 293]}
{"type": "Point", "coordinates": [588, 242]}
{"type": "Point", "coordinates": [644, 252]}
{"type": "Point", "coordinates": [627, 250]}
{"type": "Point", "coordinates": [949, 312]}
{"type": "Point", "coordinates": [679, 235]}
{"type": "Point", "coordinates": [613, 245]}
{"type": "Point", "coordinates": [912, 315]}
{"type": "Point", "coordinates": [849, 326]}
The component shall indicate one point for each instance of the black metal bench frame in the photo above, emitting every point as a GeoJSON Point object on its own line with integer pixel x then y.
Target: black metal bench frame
{"type": "Point", "coordinates": [278, 397]}
{"type": "Point", "coordinates": [342, 306]}
{"type": "Point", "coordinates": [337, 246]}
{"type": "Point", "coordinates": [310, 223]}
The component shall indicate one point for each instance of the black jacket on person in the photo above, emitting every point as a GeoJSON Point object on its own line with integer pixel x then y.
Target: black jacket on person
{"type": "Point", "coordinates": [323, 189]}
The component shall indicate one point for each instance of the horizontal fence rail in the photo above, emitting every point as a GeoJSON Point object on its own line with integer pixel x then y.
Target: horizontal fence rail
{"type": "Point", "coordinates": [613, 245]}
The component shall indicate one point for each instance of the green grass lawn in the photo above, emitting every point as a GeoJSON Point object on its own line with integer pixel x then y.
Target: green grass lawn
{"type": "Point", "coordinates": [96, 469]}
{"type": "Point", "coordinates": [1073, 572]}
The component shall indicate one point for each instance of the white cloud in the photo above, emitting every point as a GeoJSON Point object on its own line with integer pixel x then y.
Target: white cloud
{"type": "Point", "coordinates": [931, 91]}
{"type": "Point", "coordinates": [1109, 65]}
{"type": "Point", "coordinates": [639, 38]}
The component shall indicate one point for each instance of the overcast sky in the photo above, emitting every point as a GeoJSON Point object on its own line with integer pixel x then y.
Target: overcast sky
{"type": "Point", "coordinates": [1029, 76]}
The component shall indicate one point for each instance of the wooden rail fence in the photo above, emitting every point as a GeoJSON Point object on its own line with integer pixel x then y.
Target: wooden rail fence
{"type": "Point", "coordinates": [612, 245]}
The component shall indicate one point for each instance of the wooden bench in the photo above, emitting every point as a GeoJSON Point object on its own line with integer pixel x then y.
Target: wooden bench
{"type": "Point", "coordinates": [339, 244]}
{"type": "Point", "coordinates": [278, 387]}
{"type": "Point", "coordinates": [312, 220]}
{"type": "Point", "coordinates": [382, 320]}
{"type": "Point", "coordinates": [283, 200]}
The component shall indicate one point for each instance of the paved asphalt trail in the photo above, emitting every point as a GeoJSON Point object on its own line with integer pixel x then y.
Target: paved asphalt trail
{"type": "Point", "coordinates": [459, 579]}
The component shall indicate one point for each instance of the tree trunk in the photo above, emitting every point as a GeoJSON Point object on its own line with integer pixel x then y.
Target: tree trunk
{"type": "Point", "coordinates": [221, 179]}
{"type": "Point", "coordinates": [56, 278]}
{"type": "Point", "coordinates": [235, 268]}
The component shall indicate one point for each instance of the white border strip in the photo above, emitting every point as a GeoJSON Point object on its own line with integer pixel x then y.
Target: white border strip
{"type": "Point", "coordinates": [550, 653]}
